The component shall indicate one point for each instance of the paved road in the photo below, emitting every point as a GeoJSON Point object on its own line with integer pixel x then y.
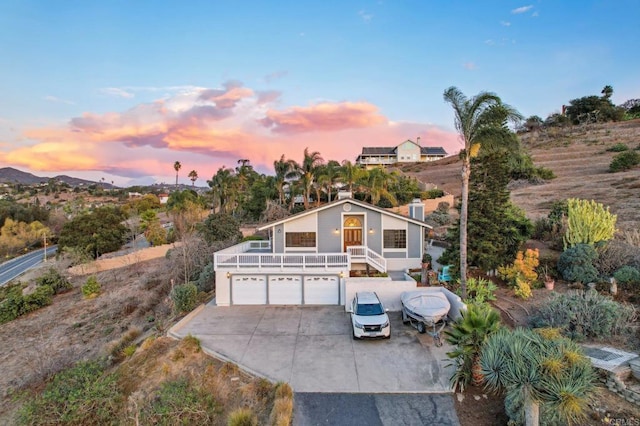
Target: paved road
{"type": "Point", "coordinates": [18, 266]}
{"type": "Point", "coordinates": [352, 409]}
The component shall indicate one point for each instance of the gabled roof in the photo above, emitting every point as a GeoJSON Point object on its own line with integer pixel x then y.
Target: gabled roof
{"type": "Point", "coordinates": [435, 150]}
{"type": "Point", "coordinates": [343, 201]}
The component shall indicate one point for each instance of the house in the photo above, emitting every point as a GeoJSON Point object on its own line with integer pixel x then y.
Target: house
{"type": "Point", "coordinates": [163, 197]}
{"type": "Point", "coordinates": [407, 152]}
{"type": "Point", "coordinates": [309, 256]}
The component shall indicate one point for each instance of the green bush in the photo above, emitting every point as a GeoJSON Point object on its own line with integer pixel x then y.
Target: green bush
{"type": "Point", "coordinates": [584, 315]}
{"type": "Point", "coordinates": [619, 147]}
{"type": "Point", "coordinates": [480, 291]}
{"type": "Point", "coordinates": [578, 264]}
{"type": "Point", "coordinates": [185, 297]}
{"type": "Point", "coordinates": [11, 305]}
{"type": "Point", "coordinates": [80, 395]}
{"type": "Point", "coordinates": [55, 280]}
{"type": "Point", "coordinates": [433, 193]}
{"type": "Point", "coordinates": [42, 296]}
{"type": "Point", "coordinates": [91, 288]}
{"type": "Point", "coordinates": [179, 402]}
{"type": "Point", "coordinates": [624, 161]}
{"type": "Point", "coordinates": [207, 279]}
{"type": "Point", "coordinates": [544, 173]}
{"type": "Point", "coordinates": [627, 275]}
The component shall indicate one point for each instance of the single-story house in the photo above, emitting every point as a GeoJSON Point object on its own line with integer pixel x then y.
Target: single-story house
{"type": "Point", "coordinates": [407, 152]}
{"type": "Point", "coordinates": [309, 256]}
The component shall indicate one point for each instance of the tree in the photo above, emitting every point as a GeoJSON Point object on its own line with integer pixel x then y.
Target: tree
{"type": "Point", "coordinates": [220, 227]}
{"type": "Point", "coordinates": [222, 185]}
{"type": "Point", "coordinates": [177, 166]}
{"type": "Point", "coordinates": [193, 175]}
{"type": "Point", "coordinates": [328, 175]}
{"type": "Point", "coordinates": [98, 232]}
{"type": "Point", "coordinates": [282, 168]}
{"type": "Point", "coordinates": [306, 172]}
{"type": "Point", "coordinates": [477, 120]}
{"type": "Point", "coordinates": [350, 174]}
{"type": "Point", "coordinates": [606, 92]}
{"type": "Point", "coordinates": [546, 377]}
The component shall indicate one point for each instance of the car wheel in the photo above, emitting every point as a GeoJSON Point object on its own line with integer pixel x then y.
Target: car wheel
{"type": "Point", "coordinates": [421, 328]}
{"type": "Point", "coordinates": [405, 318]}
{"type": "Point", "coordinates": [388, 337]}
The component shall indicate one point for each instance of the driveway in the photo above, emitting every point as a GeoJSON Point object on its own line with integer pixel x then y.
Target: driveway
{"type": "Point", "coordinates": [312, 349]}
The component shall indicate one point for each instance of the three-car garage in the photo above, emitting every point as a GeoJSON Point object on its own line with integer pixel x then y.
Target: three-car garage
{"type": "Point", "coordinates": [289, 289]}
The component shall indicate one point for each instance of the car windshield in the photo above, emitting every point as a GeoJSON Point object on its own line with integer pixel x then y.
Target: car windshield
{"type": "Point", "coordinates": [367, 309]}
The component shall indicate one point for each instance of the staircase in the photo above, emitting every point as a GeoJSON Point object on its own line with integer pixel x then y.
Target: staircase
{"type": "Point", "coordinates": [365, 254]}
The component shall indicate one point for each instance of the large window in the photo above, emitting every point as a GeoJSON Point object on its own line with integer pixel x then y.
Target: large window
{"type": "Point", "coordinates": [301, 239]}
{"type": "Point", "coordinates": [395, 238]}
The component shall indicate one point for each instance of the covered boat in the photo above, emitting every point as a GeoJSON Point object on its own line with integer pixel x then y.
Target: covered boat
{"type": "Point", "coordinates": [426, 309]}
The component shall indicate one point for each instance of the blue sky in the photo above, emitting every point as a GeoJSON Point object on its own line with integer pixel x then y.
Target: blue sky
{"type": "Point", "coordinates": [122, 89]}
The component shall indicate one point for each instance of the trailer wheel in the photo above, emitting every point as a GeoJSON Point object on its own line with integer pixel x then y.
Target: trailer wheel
{"type": "Point", "coordinates": [405, 318]}
{"type": "Point", "coordinates": [421, 328]}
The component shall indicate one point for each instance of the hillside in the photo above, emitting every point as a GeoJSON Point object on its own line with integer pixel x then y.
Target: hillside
{"type": "Point", "coordinates": [11, 175]}
{"type": "Point", "coordinates": [579, 159]}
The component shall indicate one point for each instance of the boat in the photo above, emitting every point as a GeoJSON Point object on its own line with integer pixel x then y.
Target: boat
{"type": "Point", "coordinates": [426, 309]}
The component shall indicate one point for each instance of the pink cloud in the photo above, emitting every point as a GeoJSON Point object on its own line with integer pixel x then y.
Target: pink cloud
{"type": "Point", "coordinates": [325, 116]}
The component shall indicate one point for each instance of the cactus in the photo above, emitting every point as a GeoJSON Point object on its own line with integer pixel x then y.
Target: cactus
{"type": "Point", "coordinates": [588, 222]}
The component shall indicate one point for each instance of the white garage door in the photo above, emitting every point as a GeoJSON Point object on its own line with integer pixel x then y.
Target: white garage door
{"type": "Point", "coordinates": [249, 290]}
{"type": "Point", "coordinates": [321, 290]}
{"type": "Point", "coordinates": [285, 290]}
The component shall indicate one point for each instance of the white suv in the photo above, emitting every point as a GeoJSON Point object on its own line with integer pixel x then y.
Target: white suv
{"type": "Point", "coordinates": [368, 316]}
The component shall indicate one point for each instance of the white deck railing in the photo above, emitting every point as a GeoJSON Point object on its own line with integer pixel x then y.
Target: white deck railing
{"type": "Point", "coordinates": [366, 254]}
{"type": "Point", "coordinates": [282, 260]}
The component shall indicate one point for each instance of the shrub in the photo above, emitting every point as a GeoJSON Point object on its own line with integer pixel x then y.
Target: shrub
{"type": "Point", "coordinates": [577, 264]}
{"type": "Point", "coordinates": [117, 348]}
{"type": "Point", "coordinates": [242, 417]}
{"type": "Point", "coordinates": [91, 288]}
{"type": "Point", "coordinates": [11, 306]}
{"type": "Point", "coordinates": [479, 291]}
{"type": "Point", "coordinates": [207, 278]}
{"type": "Point", "coordinates": [544, 173]}
{"type": "Point", "coordinates": [42, 296]}
{"type": "Point", "coordinates": [185, 297]}
{"type": "Point", "coordinates": [433, 193]}
{"type": "Point", "coordinates": [83, 394]}
{"type": "Point", "coordinates": [619, 147]}
{"type": "Point", "coordinates": [588, 222]}
{"type": "Point", "coordinates": [584, 314]}
{"type": "Point", "coordinates": [521, 274]}
{"type": "Point", "coordinates": [614, 255]}
{"type": "Point", "coordinates": [179, 402]}
{"type": "Point", "coordinates": [624, 161]}
{"type": "Point", "coordinates": [129, 351]}
{"type": "Point", "coordinates": [627, 275]}
{"type": "Point", "coordinates": [468, 334]}
{"type": "Point", "coordinates": [55, 280]}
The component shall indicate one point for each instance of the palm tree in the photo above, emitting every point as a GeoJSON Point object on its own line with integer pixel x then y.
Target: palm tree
{"type": "Point", "coordinates": [282, 168]}
{"type": "Point", "coordinates": [468, 334]}
{"type": "Point", "coordinates": [328, 175]}
{"type": "Point", "coordinates": [378, 185]}
{"type": "Point", "coordinates": [477, 121]}
{"type": "Point", "coordinates": [306, 172]}
{"type": "Point", "coordinates": [544, 375]}
{"type": "Point", "coordinates": [350, 174]}
{"type": "Point", "coordinates": [177, 166]}
{"type": "Point", "coordinates": [193, 175]}
{"type": "Point", "coordinates": [222, 185]}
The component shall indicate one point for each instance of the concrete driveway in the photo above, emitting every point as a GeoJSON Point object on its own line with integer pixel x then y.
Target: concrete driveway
{"type": "Point", "coordinates": [312, 349]}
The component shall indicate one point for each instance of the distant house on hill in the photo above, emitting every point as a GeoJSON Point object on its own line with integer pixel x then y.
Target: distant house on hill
{"type": "Point", "coordinates": [163, 198]}
{"type": "Point", "coordinates": [407, 152]}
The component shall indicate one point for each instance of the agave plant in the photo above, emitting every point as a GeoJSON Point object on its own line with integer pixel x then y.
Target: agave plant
{"type": "Point", "coordinates": [468, 334]}
{"type": "Point", "coordinates": [545, 376]}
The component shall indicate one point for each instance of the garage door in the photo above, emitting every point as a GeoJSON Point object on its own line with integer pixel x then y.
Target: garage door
{"type": "Point", "coordinates": [321, 290]}
{"type": "Point", "coordinates": [249, 290]}
{"type": "Point", "coordinates": [285, 290]}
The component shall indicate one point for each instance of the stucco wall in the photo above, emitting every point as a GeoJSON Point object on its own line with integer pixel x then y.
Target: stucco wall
{"type": "Point", "coordinates": [388, 291]}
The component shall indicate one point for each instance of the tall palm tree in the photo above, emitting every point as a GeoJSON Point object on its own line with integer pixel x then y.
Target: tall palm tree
{"type": "Point", "coordinates": [477, 120]}
{"type": "Point", "coordinates": [328, 175]}
{"type": "Point", "coordinates": [378, 185]}
{"type": "Point", "coordinates": [177, 166]}
{"type": "Point", "coordinates": [193, 175]}
{"type": "Point", "coordinates": [222, 185]}
{"type": "Point", "coordinates": [282, 168]}
{"type": "Point", "coordinates": [350, 174]}
{"type": "Point", "coordinates": [306, 172]}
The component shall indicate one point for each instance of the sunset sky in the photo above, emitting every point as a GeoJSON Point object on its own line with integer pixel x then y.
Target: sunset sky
{"type": "Point", "coordinates": [121, 90]}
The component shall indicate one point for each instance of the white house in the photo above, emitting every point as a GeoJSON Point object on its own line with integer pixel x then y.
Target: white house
{"type": "Point", "coordinates": [308, 256]}
{"type": "Point", "coordinates": [407, 152]}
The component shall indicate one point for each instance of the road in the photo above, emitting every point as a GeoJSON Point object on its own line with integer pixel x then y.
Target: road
{"type": "Point", "coordinates": [18, 266]}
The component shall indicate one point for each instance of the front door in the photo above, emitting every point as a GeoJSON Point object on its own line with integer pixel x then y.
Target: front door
{"type": "Point", "coordinates": [352, 229]}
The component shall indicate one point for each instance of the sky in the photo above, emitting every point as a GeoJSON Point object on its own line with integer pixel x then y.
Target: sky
{"type": "Point", "coordinates": [120, 90]}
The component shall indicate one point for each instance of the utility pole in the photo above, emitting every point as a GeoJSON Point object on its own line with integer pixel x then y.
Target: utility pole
{"type": "Point", "coordinates": [44, 235]}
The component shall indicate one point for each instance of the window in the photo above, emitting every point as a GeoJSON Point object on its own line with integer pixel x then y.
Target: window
{"type": "Point", "coordinates": [301, 239]}
{"type": "Point", "coordinates": [395, 238]}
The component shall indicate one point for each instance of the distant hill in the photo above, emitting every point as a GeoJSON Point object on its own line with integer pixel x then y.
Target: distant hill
{"type": "Point", "coordinates": [11, 175]}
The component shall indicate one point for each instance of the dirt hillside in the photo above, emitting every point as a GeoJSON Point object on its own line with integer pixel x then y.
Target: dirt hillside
{"type": "Point", "coordinates": [579, 159]}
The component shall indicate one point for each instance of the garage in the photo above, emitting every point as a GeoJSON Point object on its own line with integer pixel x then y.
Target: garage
{"type": "Point", "coordinates": [262, 289]}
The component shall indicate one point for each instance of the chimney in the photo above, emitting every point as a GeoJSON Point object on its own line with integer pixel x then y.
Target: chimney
{"type": "Point", "coordinates": [416, 209]}
{"type": "Point", "coordinates": [418, 140]}
{"type": "Point", "coordinates": [344, 194]}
